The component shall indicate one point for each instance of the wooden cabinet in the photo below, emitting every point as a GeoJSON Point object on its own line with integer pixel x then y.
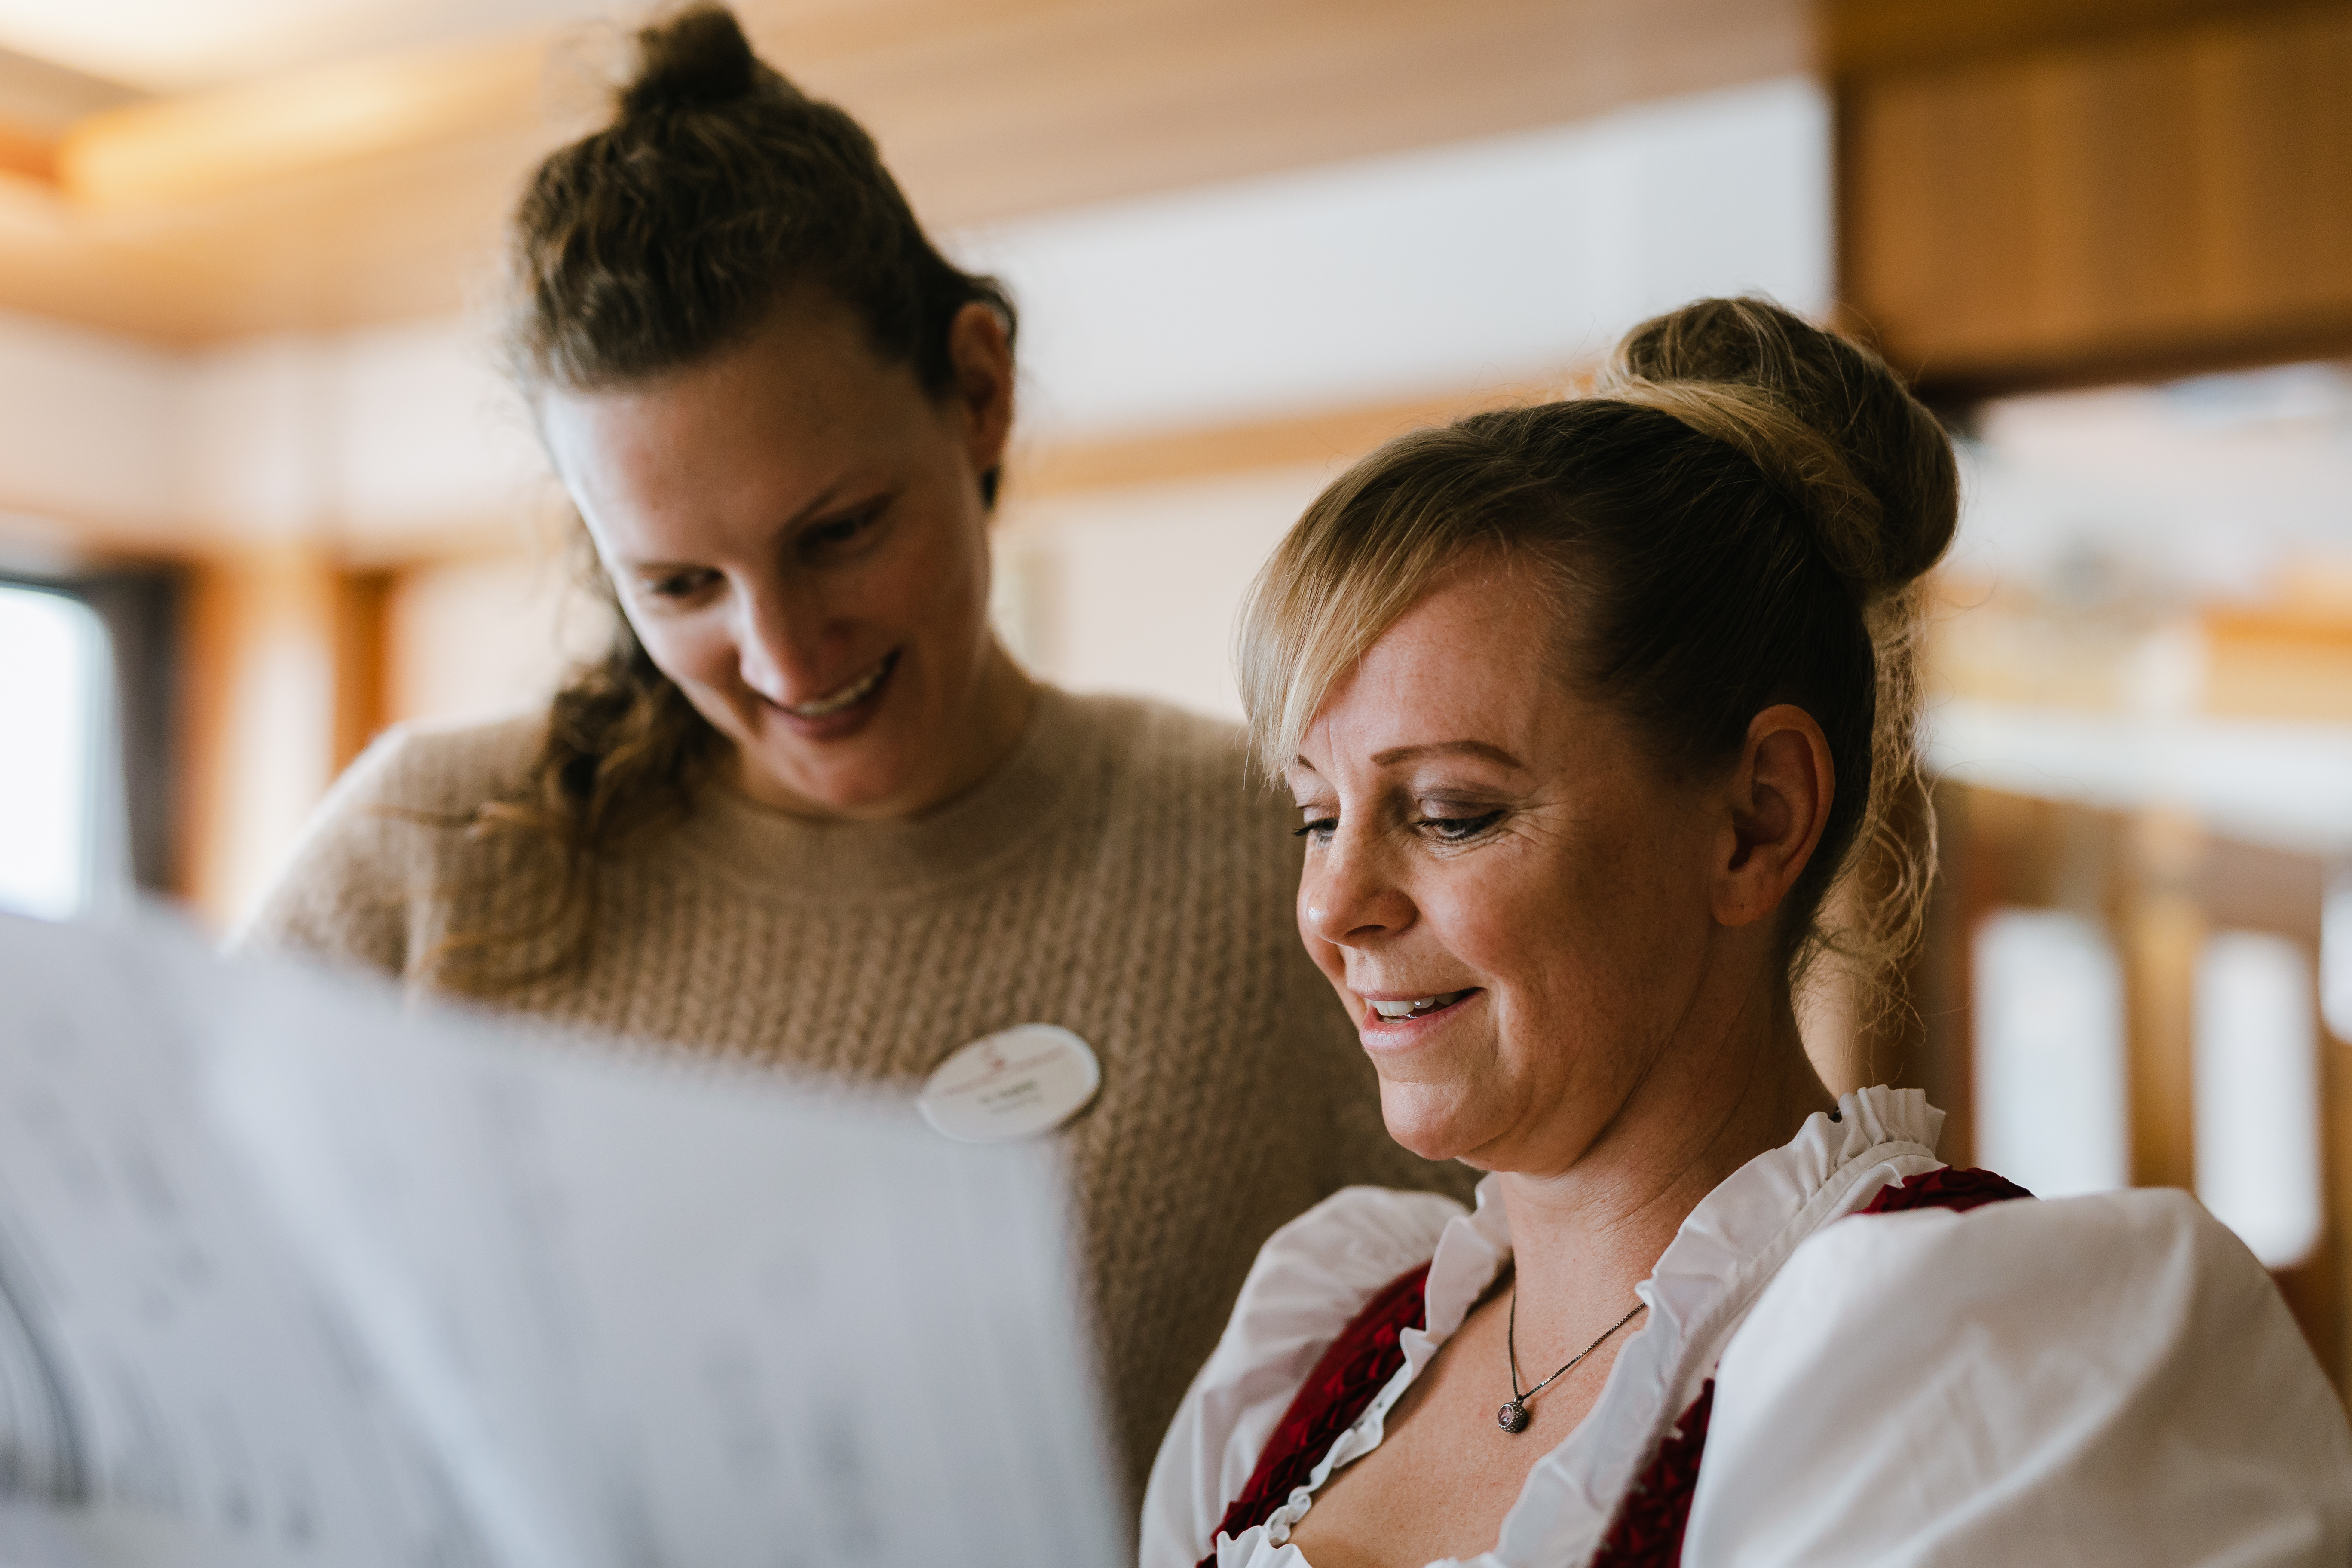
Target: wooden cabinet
{"type": "Point", "coordinates": [2149, 191]}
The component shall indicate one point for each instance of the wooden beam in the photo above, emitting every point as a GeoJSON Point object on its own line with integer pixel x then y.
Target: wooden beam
{"type": "Point", "coordinates": [1865, 38]}
{"type": "Point", "coordinates": [2161, 929]}
{"type": "Point", "coordinates": [359, 603]}
{"type": "Point", "coordinates": [2244, 886]}
{"type": "Point", "coordinates": [183, 149]}
{"type": "Point", "coordinates": [377, 191]}
{"type": "Point", "coordinates": [1935, 1048]}
{"type": "Point", "coordinates": [259, 695]}
{"type": "Point", "coordinates": [1039, 104]}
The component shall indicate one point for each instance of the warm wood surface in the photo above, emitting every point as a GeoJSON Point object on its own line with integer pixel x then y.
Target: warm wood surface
{"type": "Point", "coordinates": [2160, 200]}
{"type": "Point", "coordinates": [2281, 662]}
{"type": "Point", "coordinates": [248, 612]}
{"type": "Point", "coordinates": [360, 602]}
{"type": "Point", "coordinates": [1870, 37]}
{"type": "Point", "coordinates": [374, 192]}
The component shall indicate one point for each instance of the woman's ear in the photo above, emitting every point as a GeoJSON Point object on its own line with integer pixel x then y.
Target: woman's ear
{"type": "Point", "coordinates": [1779, 794]}
{"type": "Point", "coordinates": [983, 357]}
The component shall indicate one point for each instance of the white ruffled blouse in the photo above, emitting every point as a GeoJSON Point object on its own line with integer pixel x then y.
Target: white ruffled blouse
{"type": "Point", "coordinates": [2096, 1380]}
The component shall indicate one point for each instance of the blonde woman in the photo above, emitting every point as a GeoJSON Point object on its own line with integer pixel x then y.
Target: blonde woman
{"type": "Point", "coordinates": [809, 812]}
{"type": "Point", "coordinates": [1586, 708]}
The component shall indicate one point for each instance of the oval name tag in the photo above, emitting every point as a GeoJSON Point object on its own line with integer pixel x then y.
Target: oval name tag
{"type": "Point", "coordinates": [1015, 1083]}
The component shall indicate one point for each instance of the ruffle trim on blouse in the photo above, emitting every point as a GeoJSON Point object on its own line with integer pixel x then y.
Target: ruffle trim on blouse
{"type": "Point", "coordinates": [1471, 1250]}
{"type": "Point", "coordinates": [1720, 1261]}
{"type": "Point", "coordinates": [1723, 1255]}
{"type": "Point", "coordinates": [1311, 1277]}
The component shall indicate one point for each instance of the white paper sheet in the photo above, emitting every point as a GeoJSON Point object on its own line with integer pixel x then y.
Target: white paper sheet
{"type": "Point", "coordinates": [162, 1350]}
{"type": "Point", "coordinates": [378, 1287]}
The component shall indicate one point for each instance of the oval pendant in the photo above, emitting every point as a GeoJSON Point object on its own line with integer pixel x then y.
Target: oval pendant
{"type": "Point", "coordinates": [1513, 1417]}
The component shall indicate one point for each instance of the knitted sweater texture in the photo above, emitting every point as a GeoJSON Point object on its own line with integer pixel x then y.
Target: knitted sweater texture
{"type": "Point", "coordinates": [1119, 874]}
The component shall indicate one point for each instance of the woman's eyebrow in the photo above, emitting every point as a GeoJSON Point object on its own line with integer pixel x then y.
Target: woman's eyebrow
{"type": "Point", "coordinates": [828, 496]}
{"type": "Point", "coordinates": [1491, 753]}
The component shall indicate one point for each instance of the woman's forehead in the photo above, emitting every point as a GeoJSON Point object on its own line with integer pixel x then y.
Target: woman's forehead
{"type": "Point", "coordinates": [1469, 671]}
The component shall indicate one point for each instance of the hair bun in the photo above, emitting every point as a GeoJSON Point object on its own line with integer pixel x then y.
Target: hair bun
{"type": "Point", "coordinates": [1871, 467]}
{"type": "Point", "coordinates": [694, 58]}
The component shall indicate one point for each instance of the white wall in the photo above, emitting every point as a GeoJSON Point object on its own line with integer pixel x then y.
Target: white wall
{"type": "Point", "coordinates": [1451, 268]}
{"type": "Point", "coordinates": [370, 440]}
{"type": "Point", "coordinates": [475, 639]}
{"type": "Point", "coordinates": [1135, 590]}
{"type": "Point", "coordinates": [88, 425]}
{"type": "Point", "coordinates": [428, 431]}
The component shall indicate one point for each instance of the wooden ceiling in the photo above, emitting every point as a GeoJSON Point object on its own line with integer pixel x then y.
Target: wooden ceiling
{"type": "Point", "coordinates": [373, 191]}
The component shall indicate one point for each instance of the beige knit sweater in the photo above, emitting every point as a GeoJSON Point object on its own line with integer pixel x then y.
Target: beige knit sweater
{"type": "Point", "coordinates": [1119, 874]}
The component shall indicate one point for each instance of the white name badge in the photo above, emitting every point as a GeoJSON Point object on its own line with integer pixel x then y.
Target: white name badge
{"type": "Point", "coordinates": [1015, 1083]}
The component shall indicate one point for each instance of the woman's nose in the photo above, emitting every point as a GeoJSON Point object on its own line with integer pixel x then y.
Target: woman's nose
{"type": "Point", "coordinates": [1347, 897]}
{"type": "Point", "coordinates": [775, 654]}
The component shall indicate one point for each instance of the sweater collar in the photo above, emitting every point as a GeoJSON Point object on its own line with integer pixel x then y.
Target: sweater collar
{"type": "Point", "coordinates": [1034, 791]}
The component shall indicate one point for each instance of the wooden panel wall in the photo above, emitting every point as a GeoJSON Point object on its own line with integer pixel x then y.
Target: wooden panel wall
{"type": "Point", "coordinates": [2150, 190]}
{"type": "Point", "coordinates": [2157, 885]}
{"type": "Point", "coordinates": [281, 683]}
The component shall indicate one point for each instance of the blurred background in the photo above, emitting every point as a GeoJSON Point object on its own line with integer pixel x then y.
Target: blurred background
{"type": "Point", "coordinates": [262, 493]}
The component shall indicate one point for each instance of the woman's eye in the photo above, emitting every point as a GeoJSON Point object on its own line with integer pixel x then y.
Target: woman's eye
{"type": "Point", "coordinates": [1318, 831]}
{"type": "Point", "coordinates": [678, 584]}
{"type": "Point", "coordinates": [824, 536]}
{"type": "Point", "coordinates": [1459, 829]}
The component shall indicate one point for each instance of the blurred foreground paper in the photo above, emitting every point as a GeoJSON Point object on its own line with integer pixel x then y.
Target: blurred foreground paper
{"type": "Point", "coordinates": [289, 1276]}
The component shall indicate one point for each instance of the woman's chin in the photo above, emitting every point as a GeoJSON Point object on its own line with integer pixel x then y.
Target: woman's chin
{"type": "Point", "coordinates": [1430, 1120]}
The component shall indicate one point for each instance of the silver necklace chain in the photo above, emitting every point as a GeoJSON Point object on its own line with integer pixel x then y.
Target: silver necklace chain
{"type": "Point", "coordinates": [1514, 1417]}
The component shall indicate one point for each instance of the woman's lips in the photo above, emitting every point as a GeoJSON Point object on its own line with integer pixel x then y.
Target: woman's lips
{"type": "Point", "coordinates": [844, 710]}
{"type": "Point", "coordinates": [1397, 1015]}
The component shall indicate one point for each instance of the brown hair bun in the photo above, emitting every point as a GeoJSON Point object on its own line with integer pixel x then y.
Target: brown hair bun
{"type": "Point", "coordinates": [693, 59]}
{"type": "Point", "coordinates": [1823, 417]}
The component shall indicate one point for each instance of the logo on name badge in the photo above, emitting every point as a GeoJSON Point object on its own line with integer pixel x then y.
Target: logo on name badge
{"type": "Point", "coordinates": [1015, 1083]}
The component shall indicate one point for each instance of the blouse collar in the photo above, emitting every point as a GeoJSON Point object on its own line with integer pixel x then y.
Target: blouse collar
{"type": "Point", "coordinates": [1718, 1263]}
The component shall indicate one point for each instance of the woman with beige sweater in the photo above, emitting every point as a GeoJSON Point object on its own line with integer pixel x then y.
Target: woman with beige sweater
{"type": "Point", "coordinates": [808, 812]}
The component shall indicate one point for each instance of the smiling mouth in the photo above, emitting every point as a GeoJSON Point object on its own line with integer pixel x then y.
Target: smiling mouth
{"type": "Point", "coordinates": [847, 697]}
{"type": "Point", "coordinates": [1394, 1012]}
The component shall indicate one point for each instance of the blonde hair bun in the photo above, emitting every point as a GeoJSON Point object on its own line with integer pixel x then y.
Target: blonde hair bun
{"type": "Point", "coordinates": [1826, 419]}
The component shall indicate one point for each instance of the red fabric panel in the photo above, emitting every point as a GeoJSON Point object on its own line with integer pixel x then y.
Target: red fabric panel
{"type": "Point", "coordinates": [1944, 1189]}
{"type": "Point", "coordinates": [1648, 1531]}
{"type": "Point", "coordinates": [1346, 1379]}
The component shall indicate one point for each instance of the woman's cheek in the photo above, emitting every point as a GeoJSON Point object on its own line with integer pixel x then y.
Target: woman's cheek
{"type": "Point", "coordinates": [691, 655]}
{"type": "Point", "coordinates": [1479, 921]}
